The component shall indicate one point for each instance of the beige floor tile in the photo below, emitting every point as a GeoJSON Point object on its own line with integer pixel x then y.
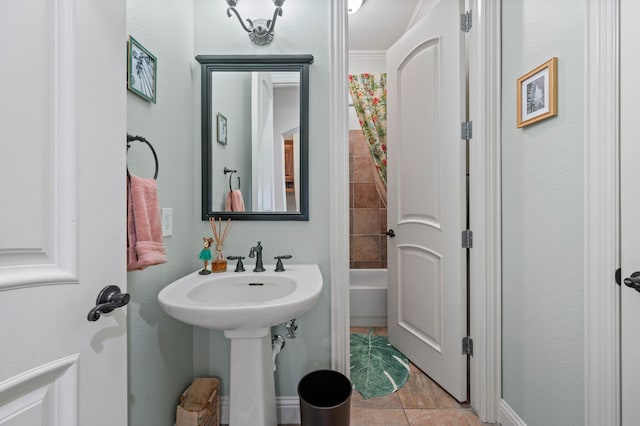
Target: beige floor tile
{"type": "Point", "coordinates": [437, 417]}
{"type": "Point", "coordinates": [422, 392]}
{"type": "Point", "coordinates": [378, 331]}
{"type": "Point", "coordinates": [381, 331]}
{"type": "Point", "coordinates": [378, 417]}
{"type": "Point", "coordinates": [420, 402]}
{"type": "Point", "coordinates": [472, 418]}
{"type": "Point", "coordinates": [388, 401]}
{"type": "Point", "coordinates": [360, 330]}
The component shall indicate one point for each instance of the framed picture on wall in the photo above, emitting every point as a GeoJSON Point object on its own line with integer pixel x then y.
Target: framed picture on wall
{"type": "Point", "coordinates": [141, 71]}
{"type": "Point", "coordinates": [222, 129]}
{"type": "Point", "coordinates": [537, 93]}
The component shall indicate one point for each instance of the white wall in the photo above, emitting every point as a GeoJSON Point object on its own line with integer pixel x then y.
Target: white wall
{"type": "Point", "coordinates": [542, 211]}
{"type": "Point", "coordinates": [160, 349]}
{"type": "Point", "coordinates": [303, 28]}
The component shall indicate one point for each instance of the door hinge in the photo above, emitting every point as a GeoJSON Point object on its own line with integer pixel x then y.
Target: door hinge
{"type": "Point", "coordinates": [466, 21]}
{"type": "Point", "coordinates": [467, 238]}
{"type": "Point", "coordinates": [467, 346]}
{"type": "Point", "coordinates": [466, 130]}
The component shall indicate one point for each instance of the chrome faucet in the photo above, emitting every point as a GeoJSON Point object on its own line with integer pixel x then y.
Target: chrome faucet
{"type": "Point", "coordinates": [257, 253]}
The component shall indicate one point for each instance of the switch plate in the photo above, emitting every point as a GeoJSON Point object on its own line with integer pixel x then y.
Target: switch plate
{"type": "Point", "coordinates": [167, 221]}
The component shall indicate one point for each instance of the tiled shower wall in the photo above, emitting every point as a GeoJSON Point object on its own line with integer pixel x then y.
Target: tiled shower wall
{"type": "Point", "coordinates": [367, 213]}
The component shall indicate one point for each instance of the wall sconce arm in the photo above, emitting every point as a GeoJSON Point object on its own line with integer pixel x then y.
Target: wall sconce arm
{"type": "Point", "coordinates": [233, 9]}
{"type": "Point", "coordinates": [260, 30]}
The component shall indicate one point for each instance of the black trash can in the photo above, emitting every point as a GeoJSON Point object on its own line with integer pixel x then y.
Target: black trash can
{"type": "Point", "coordinates": [325, 399]}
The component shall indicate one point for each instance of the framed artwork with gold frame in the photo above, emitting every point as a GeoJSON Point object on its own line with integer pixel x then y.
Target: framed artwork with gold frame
{"type": "Point", "coordinates": [537, 93]}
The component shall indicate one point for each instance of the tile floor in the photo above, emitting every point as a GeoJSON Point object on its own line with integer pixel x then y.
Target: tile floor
{"type": "Point", "coordinates": [420, 402]}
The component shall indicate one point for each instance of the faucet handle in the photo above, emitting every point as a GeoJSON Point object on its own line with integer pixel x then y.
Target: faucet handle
{"type": "Point", "coordinates": [279, 265]}
{"type": "Point", "coordinates": [239, 265]}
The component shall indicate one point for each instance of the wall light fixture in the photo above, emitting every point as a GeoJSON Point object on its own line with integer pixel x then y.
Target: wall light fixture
{"type": "Point", "coordinates": [260, 30]}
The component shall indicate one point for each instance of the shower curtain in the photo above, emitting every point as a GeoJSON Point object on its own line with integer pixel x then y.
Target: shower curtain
{"type": "Point", "coordinates": [369, 94]}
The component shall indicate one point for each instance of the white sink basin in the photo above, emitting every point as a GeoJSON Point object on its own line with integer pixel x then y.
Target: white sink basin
{"type": "Point", "coordinates": [242, 300]}
{"type": "Point", "coordinates": [245, 305]}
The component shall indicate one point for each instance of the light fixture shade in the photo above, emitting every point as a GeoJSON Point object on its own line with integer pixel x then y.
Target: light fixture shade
{"type": "Point", "coordinates": [278, 3]}
{"type": "Point", "coordinates": [354, 5]}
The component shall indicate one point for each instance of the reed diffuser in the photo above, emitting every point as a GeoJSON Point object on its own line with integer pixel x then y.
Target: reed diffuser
{"type": "Point", "coordinates": [219, 263]}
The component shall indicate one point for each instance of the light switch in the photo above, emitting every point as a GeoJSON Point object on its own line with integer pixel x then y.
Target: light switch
{"type": "Point", "coordinates": [167, 221]}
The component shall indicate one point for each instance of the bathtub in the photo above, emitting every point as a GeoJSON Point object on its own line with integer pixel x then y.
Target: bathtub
{"type": "Point", "coordinates": [368, 297]}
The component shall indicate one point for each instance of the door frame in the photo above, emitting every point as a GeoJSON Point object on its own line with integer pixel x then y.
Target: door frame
{"type": "Point", "coordinates": [339, 184]}
{"type": "Point", "coordinates": [485, 218]}
{"type": "Point", "coordinates": [601, 210]}
{"type": "Point", "coordinates": [485, 188]}
{"type": "Point", "coordinates": [602, 370]}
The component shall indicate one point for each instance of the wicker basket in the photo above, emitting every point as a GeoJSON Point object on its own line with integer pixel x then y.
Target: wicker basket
{"type": "Point", "coordinates": [209, 416]}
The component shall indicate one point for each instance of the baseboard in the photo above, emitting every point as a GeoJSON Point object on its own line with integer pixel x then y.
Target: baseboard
{"type": "Point", "coordinates": [288, 408]}
{"type": "Point", "coordinates": [508, 417]}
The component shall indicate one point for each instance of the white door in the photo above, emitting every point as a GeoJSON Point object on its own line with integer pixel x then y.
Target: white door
{"type": "Point", "coordinates": [427, 197]}
{"type": "Point", "coordinates": [630, 206]}
{"type": "Point", "coordinates": [62, 211]}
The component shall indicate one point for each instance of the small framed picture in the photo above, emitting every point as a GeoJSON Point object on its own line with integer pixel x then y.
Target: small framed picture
{"type": "Point", "coordinates": [537, 93]}
{"type": "Point", "coordinates": [222, 129]}
{"type": "Point", "coordinates": [141, 71]}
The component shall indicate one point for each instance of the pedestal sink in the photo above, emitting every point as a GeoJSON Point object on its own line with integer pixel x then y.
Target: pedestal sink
{"type": "Point", "coordinates": [245, 305]}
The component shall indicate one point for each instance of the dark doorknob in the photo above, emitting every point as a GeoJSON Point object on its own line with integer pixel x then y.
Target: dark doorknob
{"type": "Point", "coordinates": [633, 281]}
{"type": "Point", "coordinates": [390, 233]}
{"type": "Point", "coordinates": [109, 298]}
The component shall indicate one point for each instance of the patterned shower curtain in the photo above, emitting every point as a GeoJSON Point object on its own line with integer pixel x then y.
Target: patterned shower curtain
{"type": "Point", "coordinates": [369, 94]}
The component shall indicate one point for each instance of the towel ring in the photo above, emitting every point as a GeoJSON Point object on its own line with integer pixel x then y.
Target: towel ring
{"type": "Point", "coordinates": [228, 170]}
{"type": "Point", "coordinates": [131, 138]}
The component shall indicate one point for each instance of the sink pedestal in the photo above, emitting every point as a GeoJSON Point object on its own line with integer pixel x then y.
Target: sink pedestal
{"type": "Point", "coordinates": [253, 394]}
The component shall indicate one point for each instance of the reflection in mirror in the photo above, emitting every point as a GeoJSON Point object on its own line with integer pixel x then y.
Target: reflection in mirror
{"type": "Point", "coordinates": [262, 156]}
{"type": "Point", "coordinates": [255, 137]}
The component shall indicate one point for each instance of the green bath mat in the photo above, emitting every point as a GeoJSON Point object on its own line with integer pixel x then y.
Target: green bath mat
{"type": "Point", "coordinates": [377, 368]}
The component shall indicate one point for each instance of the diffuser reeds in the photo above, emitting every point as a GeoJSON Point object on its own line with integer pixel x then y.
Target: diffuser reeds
{"type": "Point", "coordinates": [219, 264]}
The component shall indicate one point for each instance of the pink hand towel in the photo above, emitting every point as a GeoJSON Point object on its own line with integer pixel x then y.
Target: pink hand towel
{"type": "Point", "coordinates": [144, 230]}
{"type": "Point", "coordinates": [228, 204]}
{"type": "Point", "coordinates": [237, 202]}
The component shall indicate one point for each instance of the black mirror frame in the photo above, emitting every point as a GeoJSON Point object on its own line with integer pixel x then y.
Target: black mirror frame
{"type": "Point", "coordinates": [211, 63]}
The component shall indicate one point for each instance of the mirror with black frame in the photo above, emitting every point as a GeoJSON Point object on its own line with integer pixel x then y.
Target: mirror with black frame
{"type": "Point", "coordinates": [255, 136]}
